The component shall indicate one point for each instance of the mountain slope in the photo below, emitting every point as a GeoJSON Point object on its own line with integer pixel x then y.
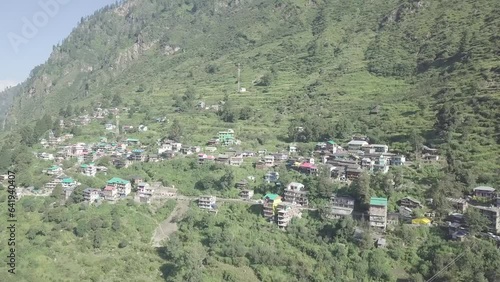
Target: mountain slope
{"type": "Point", "coordinates": [432, 66]}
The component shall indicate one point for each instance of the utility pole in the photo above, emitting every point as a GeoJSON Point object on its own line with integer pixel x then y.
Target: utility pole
{"type": "Point", "coordinates": [239, 77]}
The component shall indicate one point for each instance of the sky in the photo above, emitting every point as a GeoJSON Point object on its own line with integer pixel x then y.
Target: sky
{"type": "Point", "coordinates": [29, 29]}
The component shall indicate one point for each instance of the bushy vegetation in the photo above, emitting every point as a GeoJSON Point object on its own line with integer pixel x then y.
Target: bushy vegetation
{"type": "Point", "coordinates": [312, 70]}
{"type": "Point", "coordinates": [431, 66]}
{"type": "Point", "coordinates": [239, 245]}
{"type": "Point", "coordinates": [81, 243]}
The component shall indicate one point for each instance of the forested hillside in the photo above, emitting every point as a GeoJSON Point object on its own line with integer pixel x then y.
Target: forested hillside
{"type": "Point", "coordinates": [406, 73]}
{"type": "Point", "coordinates": [431, 66]}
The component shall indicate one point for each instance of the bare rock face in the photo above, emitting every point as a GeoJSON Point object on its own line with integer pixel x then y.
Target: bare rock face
{"type": "Point", "coordinates": [86, 69]}
{"type": "Point", "coordinates": [134, 52]}
{"type": "Point", "coordinates": [124, 10]}
{"type": "Point", "coordinates": [227, 4]}
{"type": "Point", "coordinates": [170, 50]}
{"type": "Point", "coordinates": [402, 10]}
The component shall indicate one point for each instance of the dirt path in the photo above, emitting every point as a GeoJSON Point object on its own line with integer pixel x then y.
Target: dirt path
{"type": "Point", "coordinates": [169, 225]}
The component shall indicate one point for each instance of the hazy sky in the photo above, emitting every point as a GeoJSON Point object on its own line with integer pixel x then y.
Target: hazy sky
{"type": "Point", "coordinates": [29, 29]}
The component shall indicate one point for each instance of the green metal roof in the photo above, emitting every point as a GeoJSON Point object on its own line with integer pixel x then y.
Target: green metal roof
{"type": "Point", "coordinates": [117, 180]}
{"type": "Point", "coordinates": [272, 196]}
{"type": "Point", "coordinates": [68, 180]}
{"type": "Point", "coordinates": [86, 165]}
{"type": "Point", "coordinates": [54, 167]}
{"type": "Point", "coordinates": [132, 140]}
{"type": "Point", "coordinates": [378, 201]}
{"type": "Point", "coordinates": [331, 142]}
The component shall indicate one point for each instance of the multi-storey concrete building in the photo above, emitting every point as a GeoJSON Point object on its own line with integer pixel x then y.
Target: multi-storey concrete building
{"type": "Point", "coordinates": [271, 176]}
{"type": "Point", "coordinates": [493, 215]}
{"type": "Point", "coordinates": [269, 160]}
{"type": "Point", "coordinates": [246, 194]}
{"type": "Point", "coordinates": [342, 206]}
{"type": "Point", "coordinates": [207, 202]}
{"type": "Point", "coordinates": [296, 193]}
{"type": "Point", "coordinates": [270, 205]}
{"type": "Point", "coordinates": [381, 164]}
{"type": "Point", "coordinates": [110, 193]}
{"type": "Point", "coordinates": [378, 212]}
{"type": "Point", "coordinates": [68, 182]}
{"type": "Point", "coordinates": [286, 211]}
{"type": "Point", "coordinates": [91, 195]}
{"type": "Point", "coordinates": [123, 187]}
{"type": "Point", "coordinates": [485, 192]}
{"type": "Point", "coordinates": [226, 137]}
{"type": "Point", "coordinates": [88, 169]}
{"type": "Point", "coordinates": [137, 155]}
{"type": "Point", "coordinates": [54, 170]}
{"type": "Point", "coordinates": [145, 189]}
{"type": "Point", "coordinates": [459, 204]}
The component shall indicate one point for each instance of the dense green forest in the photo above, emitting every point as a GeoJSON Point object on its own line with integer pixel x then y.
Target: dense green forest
{"type": "Point", "coordinates": [112, 243]}
{"type": "Point", "coordinates": [431, 67]}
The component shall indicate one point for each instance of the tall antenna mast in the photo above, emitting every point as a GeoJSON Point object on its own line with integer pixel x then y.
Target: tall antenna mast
{"type": "Point", "coordinates": [239, 78]}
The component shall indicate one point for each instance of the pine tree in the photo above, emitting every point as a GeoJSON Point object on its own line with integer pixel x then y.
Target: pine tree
{"type": "Point", "coordinates": [57, 192]}
{"type": "Point", "coordinates": [176, 131]}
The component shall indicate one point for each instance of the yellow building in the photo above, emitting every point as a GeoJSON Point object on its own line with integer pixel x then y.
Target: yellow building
{"type": "Point", "coordinates": [271, 202]}
{"type": "Point", "coordinates": [421, 221]}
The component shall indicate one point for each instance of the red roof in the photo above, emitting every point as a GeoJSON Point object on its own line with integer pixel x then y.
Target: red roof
{"type": "Point", "coordinates": [110, 188]}
{"type": "Point", "coordinates": [307, 165]}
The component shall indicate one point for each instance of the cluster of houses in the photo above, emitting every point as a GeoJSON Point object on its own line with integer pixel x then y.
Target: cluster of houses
{"type": "Point", "coordinates": [484, 199]}
{"type": "Point", "coordinates": [122, 154]}
{"type": "Point", "coordinates": [116, 188]}
{"type": "Point", "coordinates": [276, 209]}
{"type": "Point", "coordinates": [98, 114]}
{"type": "Point", "coordinates": [214, 107]}
{"type": "Point", "coordinates": [347, 163]}
{"type": "Point", "coordinates": [344, 164]}
{"type": "Point", "coordinates": [102, 114]}
{"type": "Point", "coordinates": [53, 141]}
{"type": "Point", "coordinates": [282, 208]}
{"type": "Point", "coordinates": [358, 156]}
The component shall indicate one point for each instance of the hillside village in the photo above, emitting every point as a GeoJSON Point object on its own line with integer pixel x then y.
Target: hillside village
{"type": "Point", "coordinates": [290, 140]}
{"type": "Point", "coordinates": [343, 164]}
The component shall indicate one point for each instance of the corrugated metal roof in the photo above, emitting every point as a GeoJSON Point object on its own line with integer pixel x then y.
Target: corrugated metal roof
{"type": "Point", "coordinates": [378, 201]}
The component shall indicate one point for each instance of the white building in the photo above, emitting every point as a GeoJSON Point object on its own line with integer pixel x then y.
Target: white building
{"type": "Point", "coordinates": [145, 189]}
{"type": "Point", "coordinates": [207, 202]}
{"type": "Point", "coordinates": [356, 145]}
{"type": "Point", "coordinates": [88, 169]}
